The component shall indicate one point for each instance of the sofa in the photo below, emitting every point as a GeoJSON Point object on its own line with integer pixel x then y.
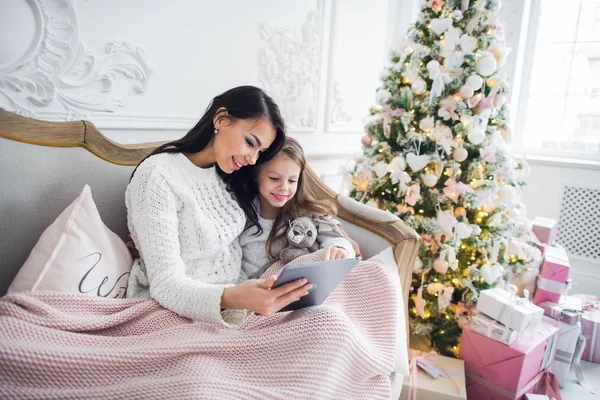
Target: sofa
{"type": "Point", "coordinates": [46, 164]}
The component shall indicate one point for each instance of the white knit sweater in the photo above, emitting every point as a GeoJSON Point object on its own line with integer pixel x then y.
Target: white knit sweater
{"type": "Point", "coordinates": [186, 226]}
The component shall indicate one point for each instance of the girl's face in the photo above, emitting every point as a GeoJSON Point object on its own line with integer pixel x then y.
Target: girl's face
{"type": "Point", "coordinates": [277, 181]}
{"type": "Point", "coordinates": [239, 143]}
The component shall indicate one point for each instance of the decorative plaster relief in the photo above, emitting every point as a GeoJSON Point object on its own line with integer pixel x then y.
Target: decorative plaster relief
{"type": "Point", "coordinates": [290, 66]}
{"type": "Point", "coordinates": [53, 67]}
{"type": "Point", "coordinates": [338, 111]}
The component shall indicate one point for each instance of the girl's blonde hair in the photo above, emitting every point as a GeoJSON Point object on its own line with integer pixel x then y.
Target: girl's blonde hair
{"type": "Point", "coordinates": [304, 203]}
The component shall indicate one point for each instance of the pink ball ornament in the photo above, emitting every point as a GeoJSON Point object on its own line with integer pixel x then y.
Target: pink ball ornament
{"type": "Point", "coordinates": [466, 91]}
{"type": "Point", "coordinates": [366, 140]}
{"type": "Point", "coordinates": [440, 266]}
{"type": "Point", "coordinates": [426, 124]}
{"type": "Point", "coordinates": [460, 154]}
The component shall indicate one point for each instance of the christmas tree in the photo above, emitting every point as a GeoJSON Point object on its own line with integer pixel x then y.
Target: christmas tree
{"type": "Point", "coordinates": [436, 154]}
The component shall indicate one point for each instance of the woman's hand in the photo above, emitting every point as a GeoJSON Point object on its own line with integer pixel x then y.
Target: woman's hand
{"type": "Point", "coordinates": [256, 295]}
{"type": "Point", "coordinates": [335, 253]}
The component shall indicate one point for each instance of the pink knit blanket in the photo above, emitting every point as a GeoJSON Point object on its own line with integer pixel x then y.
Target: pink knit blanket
{"type": "Point", "coordinates": [67, 346]}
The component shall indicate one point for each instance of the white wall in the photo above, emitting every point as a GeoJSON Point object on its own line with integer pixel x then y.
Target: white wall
{"type": "Point", "coordinates": [145, 71]}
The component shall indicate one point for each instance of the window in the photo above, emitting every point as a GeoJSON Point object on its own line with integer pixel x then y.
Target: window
{"type": "Point", "coordinates": [560, 102]}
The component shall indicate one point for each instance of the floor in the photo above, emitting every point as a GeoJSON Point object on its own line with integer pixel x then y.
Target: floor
{"type": "Point", "coordinates": [573, 391]}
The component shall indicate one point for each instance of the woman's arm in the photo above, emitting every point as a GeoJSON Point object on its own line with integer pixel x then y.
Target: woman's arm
{"type": "Point", "coordinates": [152, 212]}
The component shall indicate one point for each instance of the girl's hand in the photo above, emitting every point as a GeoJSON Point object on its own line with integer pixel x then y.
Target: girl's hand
{"type": "Point", "coordinates": [256, 295]}
{"type": "Point", "coordinates": [335, 253]}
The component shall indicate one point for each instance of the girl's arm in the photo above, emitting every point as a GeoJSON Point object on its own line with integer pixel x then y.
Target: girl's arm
{"type": "Point", "coordinates": [329, 235]}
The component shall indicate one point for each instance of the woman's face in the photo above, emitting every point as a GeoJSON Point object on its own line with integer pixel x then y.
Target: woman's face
{"type": "Point", "coordinates": [239, 143]}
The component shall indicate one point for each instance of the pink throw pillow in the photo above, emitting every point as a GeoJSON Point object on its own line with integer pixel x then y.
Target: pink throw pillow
{"type": "Point", "coordinates": [77, 254]}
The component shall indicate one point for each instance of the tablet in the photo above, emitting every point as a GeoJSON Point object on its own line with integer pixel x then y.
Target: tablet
{"type": "Point", "coordinates": [324, 276]}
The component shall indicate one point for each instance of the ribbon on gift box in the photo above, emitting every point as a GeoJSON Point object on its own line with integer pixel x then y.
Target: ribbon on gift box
{"type": "Point", "coordinates": [514, 301]}
{"type": "Point", "coordinates": [576, 366]}
{"type": "Point", "coordinates": [546, 384]}
{"type": "Point", "coordinates": [427, 363]}
{"type": "Point", "coordinates": [550, 286]}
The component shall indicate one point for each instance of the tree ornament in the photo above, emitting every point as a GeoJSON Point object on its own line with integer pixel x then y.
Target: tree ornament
{"type": "Point", "coordinates": [486, 63]}
{"type": "Point", "coordinates": [429, 179]}
{"type": "Point", "coordinates": [475, 81]}
{"type": "Point", "coordinates": [426, 124]}
{"type": "Point", "coordinates": [491, 273]}
{"type": "Point", "coordinates": [466, 91]}
{"type": "Point", "coordinates": [382, 96]}
{"type": "Point", "coordinates": [476, 135]}
{"type": "Point", "coordinates": [366, 140]}
{"type": "Point", "coordinates": [440, 266]}
{"type": "Point", "coordinates": [499, 100]}
{"type": "Point", "coordinates": [460, 154]}
{"type": "Point", "coordinates": [415, 162]}
{"type": "Point", "coordinates": [419, 86]}
{"type": "Point", "coordinates": [460, 212]}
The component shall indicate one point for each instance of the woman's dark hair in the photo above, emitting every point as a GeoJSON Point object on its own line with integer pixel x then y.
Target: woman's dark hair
{"type": "Point", "coordinates": [242, 102]}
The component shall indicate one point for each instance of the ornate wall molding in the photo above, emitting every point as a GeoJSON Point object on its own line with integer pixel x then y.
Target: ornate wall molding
{"type": "Point", "coordinates": [57, 71]}
{"type": "Point", "coordinates": [338, 112]}
{"type": "Point", "coordinates": [290, 68]}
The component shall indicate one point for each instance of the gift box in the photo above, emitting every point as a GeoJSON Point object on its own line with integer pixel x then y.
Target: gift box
{"type": "Point", "coordinates": [565, 349]}
{"type": "Point", "coordinates": [493, 329]}
{"type": "Point", "coordinates": [590, 321]}
{"type": "Point", "coordinates": [545, 229]}
{"type": "Point", "coordinates": [553, 275]}
{"type": "Point", "coordinates": [449, 373]}
{"type": "Point", "coordinates": [532, 396]}
{"type": "Point", "coordinates": [515, 313]}
{"type": "Point", "coordinates": [564, 314]}
{"type": "Point", "coordinates": [495, 371]}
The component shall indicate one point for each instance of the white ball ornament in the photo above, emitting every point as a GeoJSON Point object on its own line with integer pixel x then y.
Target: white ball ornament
{"type": "Point", "coordinates": [460, 154]}
{"type": "Point", "coordinates": [419, 86]}
{"type": "Point", "coordinates": [507, 194]}
{"type": "Point", "coordinates": [475, 81]}
{"type": "Point", "coordinates": [466, 91]}
{"type": "Point", "coordinates": [382, 96]}
{"type": "Point", "coordinates": [476, 136]}
{"type": "Point", "coordinates": [429, 179]}
{"type": "Point", "coordinates": [426, 124]}
{"type": "Point", "coordinates": [486, 64]}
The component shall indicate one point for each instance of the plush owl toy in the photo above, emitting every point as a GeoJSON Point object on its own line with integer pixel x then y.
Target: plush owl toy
{"type": "Point", "coordinates": [301, 237]}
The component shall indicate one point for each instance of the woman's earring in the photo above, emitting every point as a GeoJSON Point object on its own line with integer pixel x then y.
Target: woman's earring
{"type": "Point", "coordinates": [216, 131]}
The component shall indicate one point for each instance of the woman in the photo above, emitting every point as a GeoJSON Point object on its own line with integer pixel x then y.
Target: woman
{"type": "Point", "coordinates": [187, 203]}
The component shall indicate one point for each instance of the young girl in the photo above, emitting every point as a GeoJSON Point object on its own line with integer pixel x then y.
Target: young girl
{"type": "Point", "coordinates": [282, 197]}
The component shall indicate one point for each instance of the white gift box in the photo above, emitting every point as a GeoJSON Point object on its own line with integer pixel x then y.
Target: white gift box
{"type": "Point", "coordinates": [565, 349]}
{"type": "Point", "coordinates": [493, 329]}
{"type": "Point", "coordinates": [516, 313]}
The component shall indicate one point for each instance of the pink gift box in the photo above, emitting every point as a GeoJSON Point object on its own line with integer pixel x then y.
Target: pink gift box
{"type": "Point", "coordinates": [591, 331]}
{"type": "Point", "coordinates": [545, 229]}
{"type": "Point", "coordinates": [553, 275]}
{"type": "Point", "coordinates": [496, 371]}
